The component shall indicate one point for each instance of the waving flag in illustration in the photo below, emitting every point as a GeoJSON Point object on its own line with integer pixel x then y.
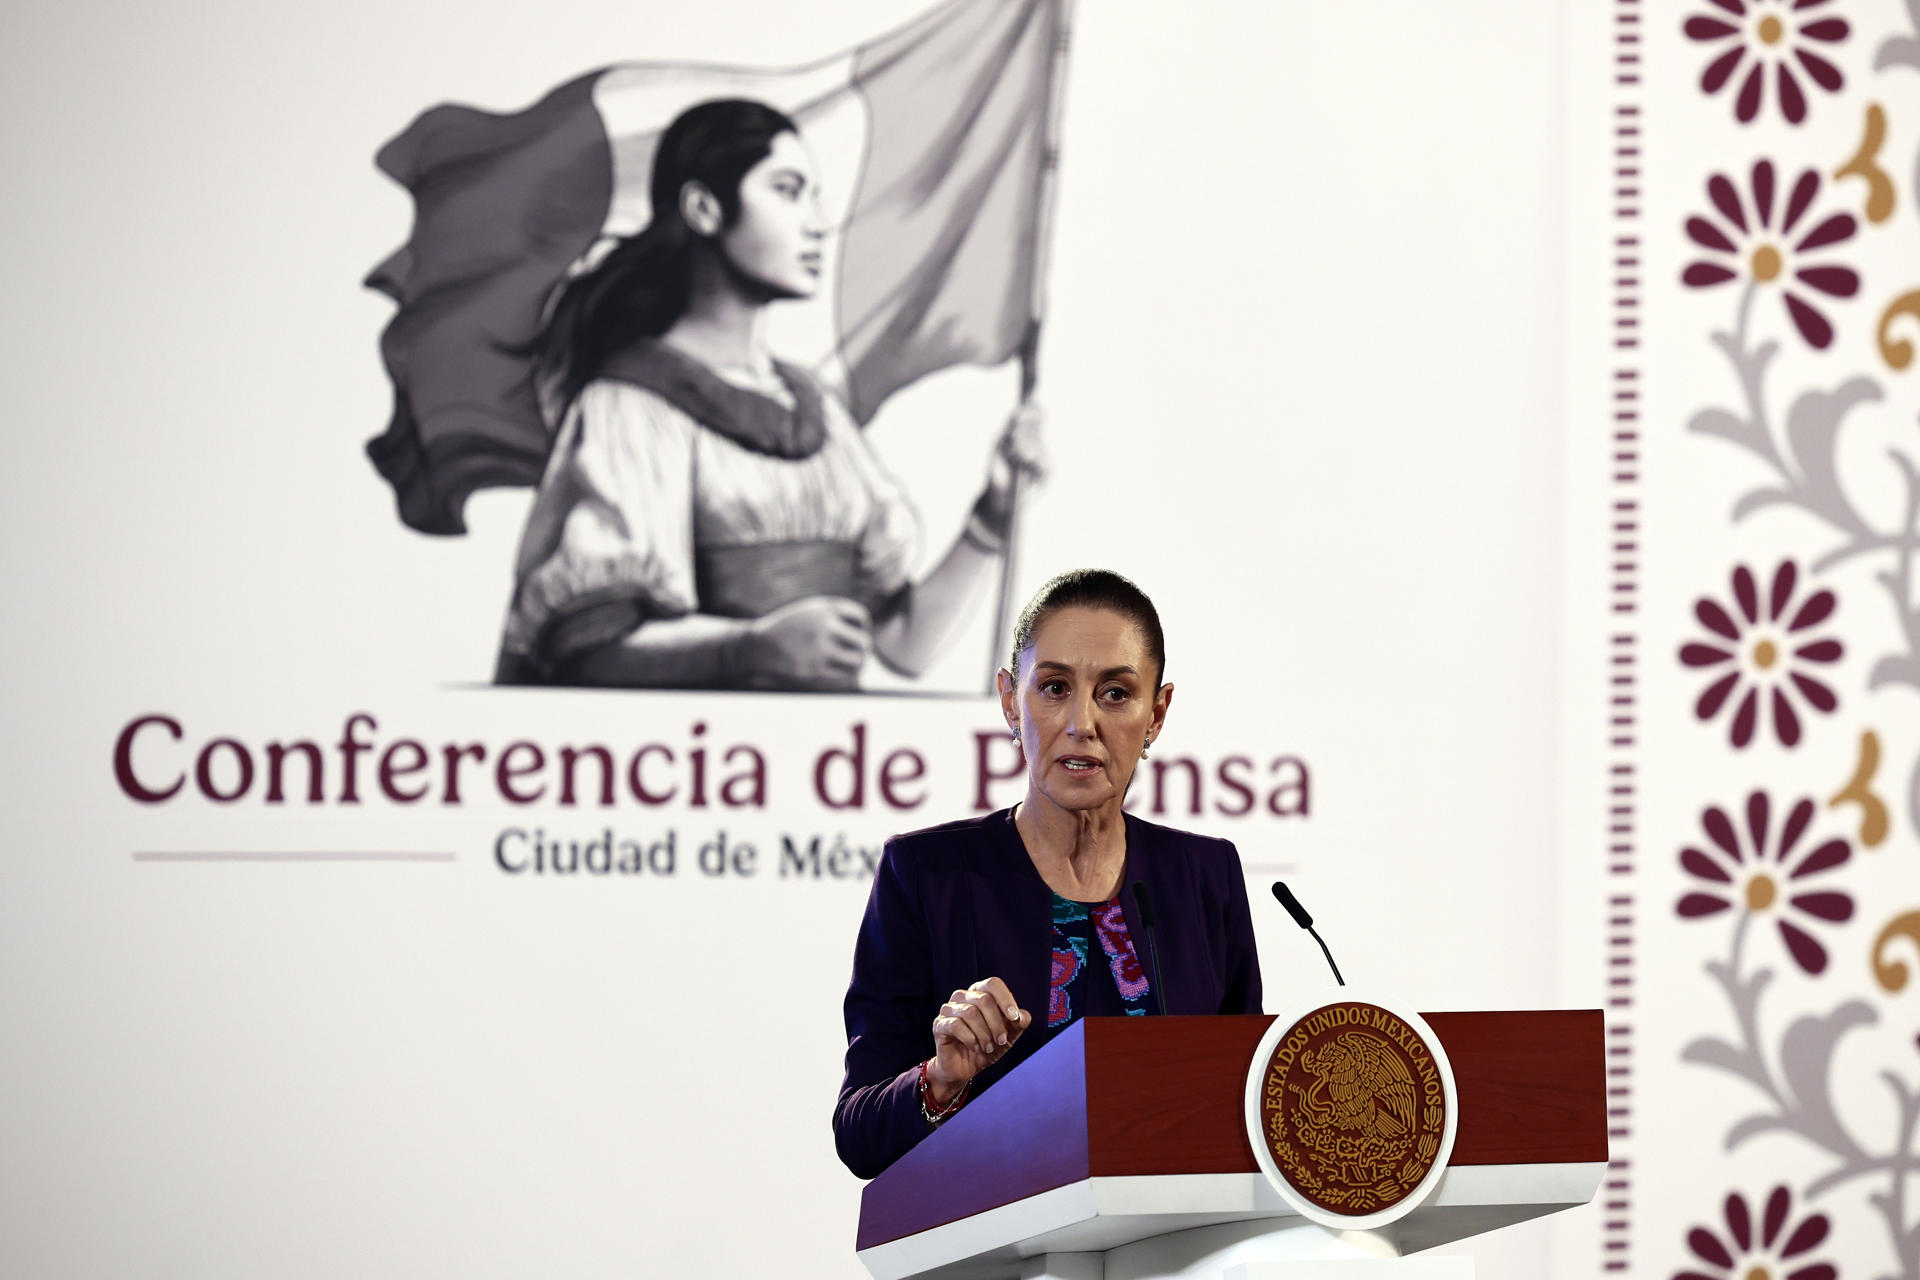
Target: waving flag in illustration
{"type": "Point", "coordinates": [935, 148]}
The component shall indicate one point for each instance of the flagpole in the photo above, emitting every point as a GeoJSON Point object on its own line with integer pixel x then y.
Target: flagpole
{"type": "Point", "coordinates": [1030, 343]}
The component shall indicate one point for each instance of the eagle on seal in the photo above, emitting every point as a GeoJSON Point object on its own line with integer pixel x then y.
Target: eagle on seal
{"type": "Point", "coordinates": [1359, 1084]}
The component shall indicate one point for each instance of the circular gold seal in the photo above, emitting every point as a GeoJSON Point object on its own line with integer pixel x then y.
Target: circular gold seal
{"type": "Point", "coordinates": [1350, 1105]}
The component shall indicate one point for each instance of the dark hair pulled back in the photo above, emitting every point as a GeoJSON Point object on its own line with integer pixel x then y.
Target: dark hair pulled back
{"type": "Point", "coordinates": [1091, 589]}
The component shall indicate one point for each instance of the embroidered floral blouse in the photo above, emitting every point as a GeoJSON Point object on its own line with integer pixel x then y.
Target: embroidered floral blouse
{"type": "Point", "coordinates": [1117, 967]}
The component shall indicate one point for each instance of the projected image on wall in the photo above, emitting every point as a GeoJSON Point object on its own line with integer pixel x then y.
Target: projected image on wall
{"type": "Point", "coordinates": [671, 299]}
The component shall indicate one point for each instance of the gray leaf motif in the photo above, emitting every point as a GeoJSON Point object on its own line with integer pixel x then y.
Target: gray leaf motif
{"type": "Point", "coordinates": [1901, 51]}
{"type": "Point", "coordinates": [1759, 498]}
{"type": "Point", "coordinates": [1718, 422]}
{"type": "Point", "coordinates": [1806, 1055]}
{"type": "Point", "coordinates": [1711, 1052]}
{"type": "Point", "coordinates": [1813, 424]}
{"type": "Point", "coordinates": [1753, 1127]}
{"type": "Point", "coordinates": [1895, 668]}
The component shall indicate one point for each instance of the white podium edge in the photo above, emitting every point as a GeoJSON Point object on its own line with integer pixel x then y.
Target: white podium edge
{"type": "Point", "coordinates": [1097, 1214]}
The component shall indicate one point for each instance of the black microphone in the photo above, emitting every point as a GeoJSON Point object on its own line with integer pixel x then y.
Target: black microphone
{"type": "Point", "coordinates": [1145, 899]}
{"type": "Point", "coordinates": [1305, 921]}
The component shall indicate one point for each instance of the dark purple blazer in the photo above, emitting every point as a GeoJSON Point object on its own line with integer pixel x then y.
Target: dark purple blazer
{"type": "Point", "coordinates": [957, 903]}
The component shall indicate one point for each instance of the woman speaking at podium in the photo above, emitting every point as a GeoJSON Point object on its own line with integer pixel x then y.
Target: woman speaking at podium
{"type": "Point", "coordinates": [984, 938]}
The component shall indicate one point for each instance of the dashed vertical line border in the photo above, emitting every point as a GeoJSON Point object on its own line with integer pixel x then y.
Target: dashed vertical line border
{"type": "Point", "coordinates": [1624, 544]}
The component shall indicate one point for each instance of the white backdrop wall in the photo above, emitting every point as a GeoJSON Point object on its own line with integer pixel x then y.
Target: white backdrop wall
{"type": "Point", "coordinates": [1303, 373]}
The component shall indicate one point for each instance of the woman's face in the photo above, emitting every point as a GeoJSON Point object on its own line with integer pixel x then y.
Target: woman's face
{"type": "Point", "coordinates": [775, 242]}
{"type": "Point", "coordinates": [1085, 705]}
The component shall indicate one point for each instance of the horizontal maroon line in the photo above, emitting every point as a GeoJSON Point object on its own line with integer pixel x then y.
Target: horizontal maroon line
{"type": "Point", "coordinates": [300, 855]}
{"type": "Point", "coordinates": [1620, 869]}
{"type": "Point", "coordinates": [1622, 768]}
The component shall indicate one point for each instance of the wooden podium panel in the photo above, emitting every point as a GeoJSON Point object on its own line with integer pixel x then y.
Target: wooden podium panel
{"type": "Point", "coordinates": [1163, 1098]}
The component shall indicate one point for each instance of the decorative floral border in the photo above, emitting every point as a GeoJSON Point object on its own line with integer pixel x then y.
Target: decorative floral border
{"type": "Point", "coordinates": [1808, 228]}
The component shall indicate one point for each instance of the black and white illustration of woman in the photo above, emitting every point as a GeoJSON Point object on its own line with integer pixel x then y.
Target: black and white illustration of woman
{"type": "Point", "coordinates": [710, 516]}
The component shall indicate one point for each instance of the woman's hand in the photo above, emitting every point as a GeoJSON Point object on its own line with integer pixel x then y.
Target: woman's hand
{"type": "Point", "coordinates": [1018, 456]}
{"type": "Point", "coordinates": [815, 641]}
{"type": "Point", "coordinates": [975, 1029]}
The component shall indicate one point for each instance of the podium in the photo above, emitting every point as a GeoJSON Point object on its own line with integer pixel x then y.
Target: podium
{"type": "Point", "coordinates": [1121, 1150]}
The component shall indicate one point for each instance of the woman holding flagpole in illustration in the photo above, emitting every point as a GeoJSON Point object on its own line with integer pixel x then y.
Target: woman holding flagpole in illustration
{"type": "Point", "coordinates": [709, 516]}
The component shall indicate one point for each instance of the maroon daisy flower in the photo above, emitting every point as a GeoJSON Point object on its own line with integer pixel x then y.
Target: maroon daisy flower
{"type": "Point", "coordinates": [1763, 36]}
{"type": "Point", "coordinates": [1764, 650]}
{"type": "Point", "coordinates": [1746, 242]}
{"type": "Point", "coordinates": [1771, 1251]}
{"type": "Point", "coordinates": [1756, 876]}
